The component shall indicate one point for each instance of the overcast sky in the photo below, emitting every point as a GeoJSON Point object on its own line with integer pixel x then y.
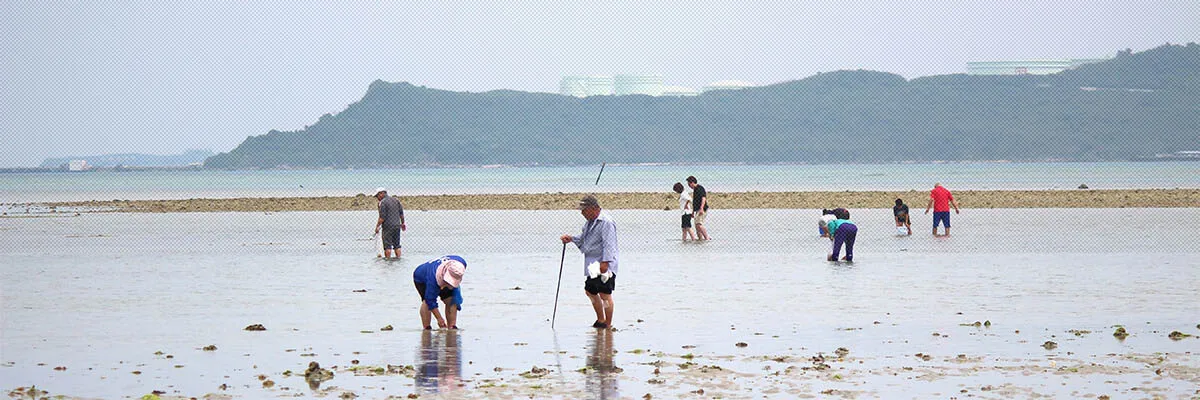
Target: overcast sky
{"type": "Point", "coordinates": [160, 77]}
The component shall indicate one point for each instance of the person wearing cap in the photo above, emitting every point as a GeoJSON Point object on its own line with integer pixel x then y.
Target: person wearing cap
{"type": "Point", "coordinates": [842, 230]}
{"type": "Point", "coordinates": [598, 243]}
{"type": "Point", "coordinates": [699, 207]}
{"type": "Point", "coordinates": [436, 278]}
{"type": "Point", "coordinates": [940, 200]}
{"type": "Point", "coordinates": [391, 219]}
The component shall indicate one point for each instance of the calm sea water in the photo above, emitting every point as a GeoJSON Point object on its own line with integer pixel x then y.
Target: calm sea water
{"type": "Point", "coordinates": [100, 294]}
{"type": "Point", "coordinates": [46, 187]}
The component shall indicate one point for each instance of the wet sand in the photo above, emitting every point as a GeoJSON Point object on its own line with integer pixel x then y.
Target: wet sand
{"type": "Point", "coordinates": [1082, 198]}
{"type": "Point", "coordinates": [640, 372]}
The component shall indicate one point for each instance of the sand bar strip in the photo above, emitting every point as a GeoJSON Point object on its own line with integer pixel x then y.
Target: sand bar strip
{"type": "Point", "coordinates": [1141, 198]}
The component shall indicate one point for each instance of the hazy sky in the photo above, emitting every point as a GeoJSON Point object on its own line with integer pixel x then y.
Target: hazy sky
{"type": "Point", "coordinates": [92, 77]}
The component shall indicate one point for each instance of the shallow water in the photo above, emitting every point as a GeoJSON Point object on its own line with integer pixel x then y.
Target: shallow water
{"type": "Point", "coordinates": [99, 294]}
{"type": "Point", "coordinates": [172, 185]}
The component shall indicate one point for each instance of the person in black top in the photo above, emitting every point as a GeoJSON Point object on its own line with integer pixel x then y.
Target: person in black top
{"type": "Point", "coordinates": [699, 208]}
{"type": "Point", "coordinates": [900, 211]}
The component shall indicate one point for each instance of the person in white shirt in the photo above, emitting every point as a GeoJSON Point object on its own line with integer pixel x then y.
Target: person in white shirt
{"type": "Point", "coordinates": [685, 205]}
{"type": "Point", "coordinates": [823, 223]}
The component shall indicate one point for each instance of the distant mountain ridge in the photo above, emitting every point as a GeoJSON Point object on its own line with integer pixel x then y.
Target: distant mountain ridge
{"type": "Point", "coordinates": [1133, 105]}
{"type": "Point", "coordinates": [189, 157]}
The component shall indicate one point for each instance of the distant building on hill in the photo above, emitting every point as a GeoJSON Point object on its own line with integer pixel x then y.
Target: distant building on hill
{"type": "Point", "coordinates": [679, 91]}
{"type": "Point", "coordinates": [726, 85]}
{"type": "Point", "coordinates": [77, 165]}
{"type": "Point", "coordinates": [649, 85]}
{"type": "Point", "coordinates": [584, 86]}
{"type": "Point", "coordinates": [1026, 67]}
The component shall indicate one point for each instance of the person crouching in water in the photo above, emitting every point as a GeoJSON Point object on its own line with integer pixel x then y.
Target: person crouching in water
{"type": "Point", "coordinates": [440, 277]}
{"type": "Point", "coordinates": [900, 211]}
{"type": "Point", "coordinates": [842, 230]}
{"type": "Point", "coordinates": [823, 222]}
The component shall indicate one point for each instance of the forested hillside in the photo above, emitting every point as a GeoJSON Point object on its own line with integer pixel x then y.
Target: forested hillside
{"type": "Point", "coordinates": [1135, 104]}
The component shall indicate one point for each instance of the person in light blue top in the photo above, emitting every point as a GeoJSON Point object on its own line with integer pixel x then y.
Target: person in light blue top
{"type": "Point", "coordinates": [842, 230]}
{"type": "Point", "coordinates": [440, 277]}
{"type": "Point", "coordinates": [598, 243]}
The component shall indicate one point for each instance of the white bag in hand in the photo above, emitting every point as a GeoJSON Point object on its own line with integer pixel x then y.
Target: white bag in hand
{"type": "Point", "coordinates": [593, 270]}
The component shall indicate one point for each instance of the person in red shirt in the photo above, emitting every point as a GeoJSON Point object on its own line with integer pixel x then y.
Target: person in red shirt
{"type": "Point", "coordinates": [940, 200]}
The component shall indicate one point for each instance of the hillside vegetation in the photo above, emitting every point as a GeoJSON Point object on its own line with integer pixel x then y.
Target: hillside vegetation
{"type": "Point", "coordinates": [1133, 105]}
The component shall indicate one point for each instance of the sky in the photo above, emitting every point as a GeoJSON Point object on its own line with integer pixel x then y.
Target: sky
{"type": "Point", "coordinates": [84, 78]}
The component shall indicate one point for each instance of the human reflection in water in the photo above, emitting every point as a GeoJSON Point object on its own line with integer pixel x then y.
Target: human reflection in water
{"type": "Point", "coordinates": [439, 362]}
{"type": "Point", "coordinates": [602, 372]}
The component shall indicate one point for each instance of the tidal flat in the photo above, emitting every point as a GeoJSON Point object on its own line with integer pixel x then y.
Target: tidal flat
{"type": "Point", "coordinates": [123, 305]}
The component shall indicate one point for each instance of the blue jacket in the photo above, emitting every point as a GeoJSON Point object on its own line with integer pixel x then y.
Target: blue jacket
{"type": "Point", "coordinates": [427, 274]}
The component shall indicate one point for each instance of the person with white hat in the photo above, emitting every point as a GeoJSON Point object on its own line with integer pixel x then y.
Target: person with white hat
{"type": "Point", "coordinates": [598, 243]}
{"type": "Point", "coordinates": [391, 219]}
{"type": "Point", "coordinates": [440, 277]}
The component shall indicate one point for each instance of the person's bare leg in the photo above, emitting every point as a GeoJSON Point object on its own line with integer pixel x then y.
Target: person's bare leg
{"type": "Point", "coordinates": [451, 315]}
{"type": "Point", "coordinates": [947, 231]}
{"type": "Point", "coordinates": [701, 232]}
{"type": "Point", "coordinates": [597, 306]}
{"type": "Point", "coordinates": [608, 308]}
{"type": "Point", "coordinates": [426, 315]}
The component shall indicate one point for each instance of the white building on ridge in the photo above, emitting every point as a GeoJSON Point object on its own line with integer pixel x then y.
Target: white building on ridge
{"type": "Point", "coordinates": [726, 85]}
{"type": "Point", "coordinates": [1026, 67]}
{"type": "Point", "coordinates": [584, 85]}
{"type": "Point", "coordinates": [649, 85]}
{"type": "Point", "coordinates": [679, 91]}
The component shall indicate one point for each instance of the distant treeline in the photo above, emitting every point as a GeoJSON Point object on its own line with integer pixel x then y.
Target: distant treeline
{"type": "Point", "coordinates": [1133, 105]}
{"type": "Point", "coordinates": [132, 160]}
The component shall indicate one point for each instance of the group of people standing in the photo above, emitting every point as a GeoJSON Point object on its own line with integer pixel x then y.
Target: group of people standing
{"type": "Point", "coordinates": [693, 203]}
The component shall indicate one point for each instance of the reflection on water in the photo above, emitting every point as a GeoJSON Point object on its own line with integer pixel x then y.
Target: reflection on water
{"type": "Point", "coordinates": [439, 362]}
{"type": "Point", "coordinates": [602, 372]}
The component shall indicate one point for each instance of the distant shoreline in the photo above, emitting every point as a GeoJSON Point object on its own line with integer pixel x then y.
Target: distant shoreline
{"type": "Point", "coordinates": [968, 199]}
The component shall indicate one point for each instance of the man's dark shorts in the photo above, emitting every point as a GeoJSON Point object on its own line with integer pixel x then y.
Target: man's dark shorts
{"type": "Point", "coordinates": [391, 238]}
{"type": "Point", "coordinates": [595, 285]}
{"type": "Point", "coordinates": [943, 216]}
{"type": "Point", "coordinates": [687, 221]}
{"type": "Point", "coordinates": [447, 294]}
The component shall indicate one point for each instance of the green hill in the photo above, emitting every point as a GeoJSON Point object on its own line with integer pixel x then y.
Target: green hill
{"type": "Point", "coordinates": [1130, 106]}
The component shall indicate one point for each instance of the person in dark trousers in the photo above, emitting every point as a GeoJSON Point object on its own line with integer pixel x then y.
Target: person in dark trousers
{"type": "Point", "coordinates": [940, 200]}
{"type": "Point", "coordinates": [598, 243]}
{"type": "Point", "coordinates": [391, 219]}
{"type": "Point", "coordinates": [842, 230]}
{"type": "Point", "coordinates": [699, 208]}
{"type": "Point", "coordinates": [440, 277]}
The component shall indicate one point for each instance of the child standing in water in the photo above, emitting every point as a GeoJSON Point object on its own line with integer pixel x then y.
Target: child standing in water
{"type": "Point", "coordinates": [842, 230]}
{"type": "Point", "coordinates": [685, 205]}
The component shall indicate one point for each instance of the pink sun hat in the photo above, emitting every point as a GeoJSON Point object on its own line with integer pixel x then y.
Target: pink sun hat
{"type": "Point", "coordinates": [450, 273]}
